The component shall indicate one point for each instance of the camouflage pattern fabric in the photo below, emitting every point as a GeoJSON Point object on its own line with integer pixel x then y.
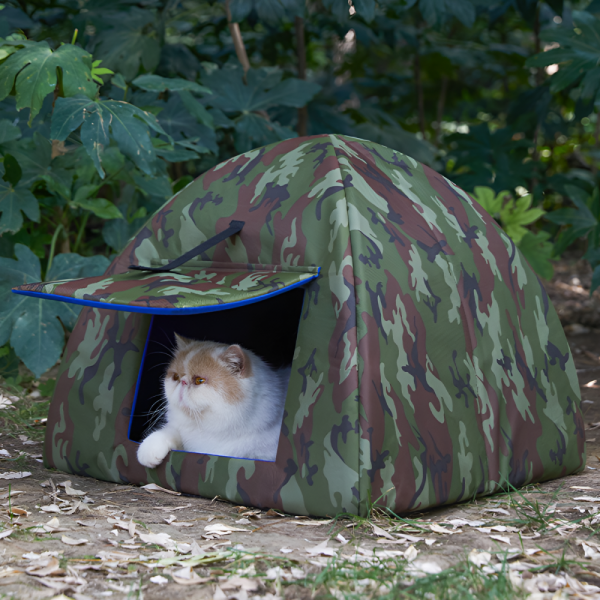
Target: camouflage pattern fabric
{"type": "Point", "coordinates": [197, 286]}
{"type": "Point", "coordinates": [430, 365]}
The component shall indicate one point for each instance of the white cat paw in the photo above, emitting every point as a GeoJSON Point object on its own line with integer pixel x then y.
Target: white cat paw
{"type": "Point", "coordinates": [152, 452]}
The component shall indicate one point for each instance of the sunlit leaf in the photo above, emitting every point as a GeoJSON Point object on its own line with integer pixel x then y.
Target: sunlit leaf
{"type": "Point", "coordinates": [32, 70]}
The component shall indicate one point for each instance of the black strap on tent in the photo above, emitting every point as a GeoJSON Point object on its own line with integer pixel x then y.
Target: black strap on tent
{"type": "Point", "coordinates": [234, 227]}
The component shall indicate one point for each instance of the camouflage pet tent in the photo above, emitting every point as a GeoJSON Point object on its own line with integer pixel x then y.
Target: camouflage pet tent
{"type": "Point", "coordinates": [428, 365]}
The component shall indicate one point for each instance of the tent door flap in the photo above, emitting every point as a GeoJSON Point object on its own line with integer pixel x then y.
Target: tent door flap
{"type": "Point", "coordinates": [199, 286]}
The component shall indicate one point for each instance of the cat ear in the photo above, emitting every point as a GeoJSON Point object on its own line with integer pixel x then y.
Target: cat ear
{"type": "Point", "coordinates": [181, 342]}
{"type": "Point", "coordinates": [235, 359]}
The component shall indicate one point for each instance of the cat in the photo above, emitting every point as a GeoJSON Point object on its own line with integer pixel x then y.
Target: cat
{"type": "Point", "coordinates": [220, 399]}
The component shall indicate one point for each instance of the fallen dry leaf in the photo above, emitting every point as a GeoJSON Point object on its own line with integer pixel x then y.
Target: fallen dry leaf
{"type": "Point", "coordinates": [15, 475]}
{"type": "Point", "coordinates": [479, 559]}
{"type": "Point", "coordinates": [587, 499]}
{"type": "Point", "coordinates": [320, 550]}
{"type": "Point", "coordinates": [72, 541]}
{"type": "Point", "coordinates": [313, 523]}
{"type": "Point", "coordinates": [6, 533]}
{"type": "Point", "coordinates": [501, 538]}
{"type": "Point", "coordinates": [18, 512]}
{"type": "Point", "coordinates": [222, 529]}
{"type": "Point", "coordinates": [152, 487]}
{"type": "Point", "coordinates": [381, 532]}
{"type": "Point", "coordinates": [44, 567]}
{"type": "Point", "coordinates": [439, 529]}
{"type": "Point", "coordinates": [187, 576]}
{"type": "Point", "coordinates": [411, 553]}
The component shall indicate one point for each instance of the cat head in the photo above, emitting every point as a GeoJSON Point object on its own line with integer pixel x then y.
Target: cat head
{"type": "Point", "coordinates": [206, 376]}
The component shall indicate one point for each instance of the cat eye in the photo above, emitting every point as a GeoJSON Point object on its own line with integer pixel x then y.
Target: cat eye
{"type": "Point", "coordinates": [175, 377]}
{"type": "Point", "coordinates": [199, 380]}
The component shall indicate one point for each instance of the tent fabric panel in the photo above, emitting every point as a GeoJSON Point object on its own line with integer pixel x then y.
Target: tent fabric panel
{"type": "Point", "coordinates": [191, 289]}
{"type": "Point", "coordinates": [458, 342]}
{"type": "Point", "coordinates": [289, 195]}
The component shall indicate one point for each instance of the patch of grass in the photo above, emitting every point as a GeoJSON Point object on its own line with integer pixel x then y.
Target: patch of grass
{"type": "Point", "coordinates": [24, 418]}
{"type": "Point", "coordinates": [394, 579]}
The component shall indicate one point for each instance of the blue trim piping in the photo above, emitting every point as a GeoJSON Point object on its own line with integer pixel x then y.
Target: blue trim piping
{"type": "Point", "coordinates": [139, 379]}
{"type": "Point", "coordinates": [192, 310]}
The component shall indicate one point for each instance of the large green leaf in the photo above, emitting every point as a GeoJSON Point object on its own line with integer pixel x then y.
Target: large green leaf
{"type": "Point", "coordinates": [262, 90]}
{"type": "Point", "coordinates": [33, 72]}
{"type": "Point", "coordinates": [578, 55]}
{"type": "Point", "coordinates": [270, 11]}
{"type": "Point", "coordinates": [437, 10]}
{"type": "Point", "coordinates": [253, 130]}
{"type": "Point", "coordinates": [128, 124]}
{"type": "Point", "coordinates": [132, 41]}
{"type": "Point", "coordinates": [537, 249]}
{"type": "Point", "coordinates": [33, 156]}
{"type": "Point", "coordinates": [13, 202]}
{"type": "Point", "coordinates": [31, 324]}
{"type": "Point", "coordinates": [155, 83]}
{"type": "Point", "coordinates": [8, 131]}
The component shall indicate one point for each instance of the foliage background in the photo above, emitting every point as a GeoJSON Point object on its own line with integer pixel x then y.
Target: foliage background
{"type": "Point", "coordinates": [108, 107]}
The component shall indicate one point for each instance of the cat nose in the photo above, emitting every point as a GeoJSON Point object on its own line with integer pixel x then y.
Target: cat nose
{"type": "Point", "coordinates": [183, 381]}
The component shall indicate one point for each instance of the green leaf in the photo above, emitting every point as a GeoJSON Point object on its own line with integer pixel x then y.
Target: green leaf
{"type": "Point", "coordinates": [13, 202]}
{"type": "Point", "coordinates": [516, 214]}
{"type": "Point", "coordinates": [31, 323]}
{"type": "Point", "coordinates": [488, 199]}
{"type": "Point", "coordinates": [253, 130]}
{"type": "Point", "coordinates": [577, 56]}
{"type": "Point", "coordinates": [128, 130]}
{"type": "Point", "coordinates": [33, 155]}
{"type": "Point", "coordinates": [26, 269]}
{"type": "Point", "coordinates": [101, 207]}
{"type": "Point", "coordinates": [131, 42]}
{"type": "Point", "coordinates": [37, 336]}
{"type": "Point", "coordinates": [32, 70]}
{"type": "Point", "coordinates": [119, 81]}
{"type": "Point", "coordinates": [366, 9]}
{"type": "Point", "coordinates": [118, 232]}
{"type": "Point", "coordinates": [70, 113]}
{"type": "Point", "coordinates": [128, 124]}
{"type": "Point", "coordinates": [9, 363]}
{"type": "Point", "coordinates": [155, 83]}
{"type": "Point", "coordinates": [8, 131]}
{"type": "Point", "coordinates": [263, 90]}
{"type": "Point", "coordinates": [537, 249]}
{"type": "Point", "coordinates": [196, 109]}
{"type": "Point", "coordinates": [463, 10]}
{"type": "Point", "coordinates": [12, 170]}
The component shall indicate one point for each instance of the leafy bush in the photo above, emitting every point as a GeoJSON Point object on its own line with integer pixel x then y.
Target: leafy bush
{"type": "Point", "coordinates": [96, 134]}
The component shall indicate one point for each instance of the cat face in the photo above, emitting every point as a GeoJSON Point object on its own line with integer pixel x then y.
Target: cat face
{"type": "Point", "coordinates": [206, 376]}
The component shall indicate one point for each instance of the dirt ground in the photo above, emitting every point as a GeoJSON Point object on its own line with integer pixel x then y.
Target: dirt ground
{"type": "Point", "coordinates": [64, 536]}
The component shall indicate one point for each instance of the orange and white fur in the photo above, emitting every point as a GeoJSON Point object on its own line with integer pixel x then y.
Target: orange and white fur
{"type": "Point", "coordinates": [221, 400]}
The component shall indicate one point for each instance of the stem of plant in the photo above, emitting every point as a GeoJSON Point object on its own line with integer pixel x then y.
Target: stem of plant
{"type": "Point", "coordinates": [74, 37]}
{"type": "Point", "coordinates": [238, 42]}
{"type": "Point", "coordinates": [53, 246]}
{"type": "Point", "coordinates": [80, 232]}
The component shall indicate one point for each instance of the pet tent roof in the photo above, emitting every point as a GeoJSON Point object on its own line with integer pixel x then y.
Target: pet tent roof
{"type": "Point", "coordinates": [429, 363]}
